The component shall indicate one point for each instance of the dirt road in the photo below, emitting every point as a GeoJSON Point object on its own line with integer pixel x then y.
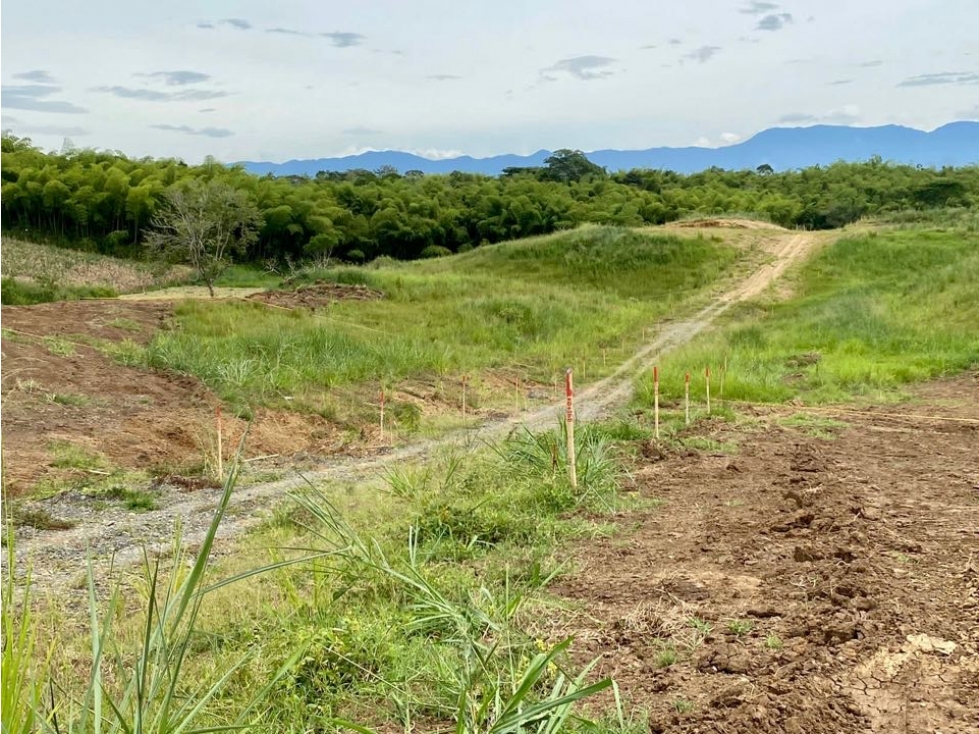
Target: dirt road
{"type": "Point", "coordinates": [57, 556]}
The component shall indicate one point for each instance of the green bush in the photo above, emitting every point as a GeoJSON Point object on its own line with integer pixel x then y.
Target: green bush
{"type": "Point", "coordinates": [434, 251]}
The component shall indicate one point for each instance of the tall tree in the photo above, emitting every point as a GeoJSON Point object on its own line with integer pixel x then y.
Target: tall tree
{"type": "Point", "coordinates": [204, 224]}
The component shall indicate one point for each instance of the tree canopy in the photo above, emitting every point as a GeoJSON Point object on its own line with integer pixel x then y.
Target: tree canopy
{"type": "Point", "coordinates": [105, 201]}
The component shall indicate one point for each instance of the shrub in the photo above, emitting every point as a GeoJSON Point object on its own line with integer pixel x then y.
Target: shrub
{"type": "Point", "coordinates": [434, 251]}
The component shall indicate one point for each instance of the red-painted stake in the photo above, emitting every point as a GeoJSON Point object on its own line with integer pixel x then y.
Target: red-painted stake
{"type": "Point", "coordinates": [220, 449]}
{"type": "Point", "coordinates": [569, 421]}
{"type": "Point", "coordinates": [656, 402]}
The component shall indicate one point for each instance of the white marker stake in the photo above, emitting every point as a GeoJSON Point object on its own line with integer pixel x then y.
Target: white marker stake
{"type": "Point", "coordinates": [569, 420]}
{"type": "Point", "coordinates": [220, 449]}
{"type": "Point", "coordinates": [656, 402]}
{"type": "Point", "coordinates": [686, 397]}
{"type": "Point", "coordinates": [707, 384]}
{"type": "Point", "coordinates": [382, 413]}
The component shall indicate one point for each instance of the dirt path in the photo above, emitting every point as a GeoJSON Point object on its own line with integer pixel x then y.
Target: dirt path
{"type": "Point", "coordinates": [57, 556]}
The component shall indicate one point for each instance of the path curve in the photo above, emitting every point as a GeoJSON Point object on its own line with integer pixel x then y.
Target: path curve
{"type": "Point", "coordinates": [58, 557]}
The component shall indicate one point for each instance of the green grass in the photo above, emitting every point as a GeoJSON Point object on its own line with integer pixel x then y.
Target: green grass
{"type": "Point", "coordinates": [69, 399]}
{"type": "Point", "coordinates": [740, 627]}
{"type": "Point", "coordinates": [136, 500]}
{"type": "Point", "coordinates": [248, 276]}
{"type": "Point", "coordinates": [15, 292]}
{"type": "Point", "coordinates": [67, 455]}
{"type": "Point", "coordinates": [412, 601]}
{"type": "Point", "coordinates": [871, 314]}
{"type": "Point", "coordinates": [774, 642]}
{"type": "Point", "coordinates": [815, 425]}
{"type": "Point", "coordinates": [537, 306]}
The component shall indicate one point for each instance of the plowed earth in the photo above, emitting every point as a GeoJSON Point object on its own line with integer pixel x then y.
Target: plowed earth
{"type": "Point", "coordinates": [839, 578]}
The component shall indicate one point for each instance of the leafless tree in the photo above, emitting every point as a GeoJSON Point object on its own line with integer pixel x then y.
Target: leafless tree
{"type": "Point", "coordinates": [204, 224]}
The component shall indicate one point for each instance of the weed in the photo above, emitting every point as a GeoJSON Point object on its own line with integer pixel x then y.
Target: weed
{"type": "Point", "coordinates": [682, 706]}
{"type": "Point", "coordinates": [125, 324]}
{"type": "Point", "coordinates": [20, 667]}
{"type": "Point", "coordinates": [879, 311]}
{"type": "Point", "coordinates": [815, 425]}
{"type": "Point", "coordinates": [132, 499]}
{"type": "Point", "coordinates": [146, 688]}
{"type": "Point", "coordinates": [69, 399]}
{"type": "Point", "coordinates": [59, 345]}
{"type": "Point", "coordinates": [67, 455]}
{"type": "Point", "coordinates": [701, 627]}
{"type": "Point", "coordinates": [709, 445]}
{"type": "Point", "coordinates": [773, 642]}
{"type": "Point", "coordinates": [38, 518]}
{"type": "Point", "coordinates": [740, 627]}
{"type": "Point", "coordinates": [566, 295]}
{"type": "Point", "coordinates": [666, 655]}
{"type": "Point", "coordinates": [126, 352]}
{"type": "Point", "coordinates": [495, 685]}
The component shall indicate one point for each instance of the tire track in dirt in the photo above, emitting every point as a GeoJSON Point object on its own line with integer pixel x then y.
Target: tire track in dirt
{"type": "Point", "coordinates": [58, 557]}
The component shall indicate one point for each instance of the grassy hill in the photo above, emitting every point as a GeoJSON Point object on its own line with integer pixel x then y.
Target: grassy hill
{"type": "Point", "coordinates": [578, 299]}
{"type": "Point", "coordinates": [871, 312]}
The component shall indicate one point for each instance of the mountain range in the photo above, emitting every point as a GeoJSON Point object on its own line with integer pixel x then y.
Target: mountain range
{"type": "Point", "coordinates": [782, 148]}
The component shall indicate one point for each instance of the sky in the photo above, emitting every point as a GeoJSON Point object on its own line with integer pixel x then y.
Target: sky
{"type": "Point", "coordinates": [309, 79]}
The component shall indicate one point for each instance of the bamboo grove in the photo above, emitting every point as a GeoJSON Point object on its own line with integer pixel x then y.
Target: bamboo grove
{"type": "Point", "coordinates": [104, 201]}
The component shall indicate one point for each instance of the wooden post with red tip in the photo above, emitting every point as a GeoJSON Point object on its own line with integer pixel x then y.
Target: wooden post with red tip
{"type": "Point", "coordinates": [220, 449]}
{"type": "Point", "coordinates": [569, 422]}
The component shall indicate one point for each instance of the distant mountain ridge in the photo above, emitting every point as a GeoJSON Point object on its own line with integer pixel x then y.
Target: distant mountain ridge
{"type": "Point", "coordinates": [783, 148]}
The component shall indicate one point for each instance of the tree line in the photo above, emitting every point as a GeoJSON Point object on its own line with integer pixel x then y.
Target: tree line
{"type": "Point", "coordinates": [105, 201]}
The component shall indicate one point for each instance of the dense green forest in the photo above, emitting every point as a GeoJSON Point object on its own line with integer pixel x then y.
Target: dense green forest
{"type": "Point", "coordinates": [104, 201]}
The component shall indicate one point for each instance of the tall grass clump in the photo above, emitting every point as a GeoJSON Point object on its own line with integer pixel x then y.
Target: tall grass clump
{"type": "Point", "coordinates": [535, 306]}
{"type": "Point", "coordinates": [23, 666]}
{"type": "Point", "coordinates": [145, 684]}
{"type": "Point", "coordinates": [489, 684]}
{"type": "Point", "coordinates": [420, 605]}
{"type": "Point", "coordinates": [870, 313]}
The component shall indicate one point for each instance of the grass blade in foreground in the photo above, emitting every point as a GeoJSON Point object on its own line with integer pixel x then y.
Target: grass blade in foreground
{"type": "Point", "coordinates": [155, 694]}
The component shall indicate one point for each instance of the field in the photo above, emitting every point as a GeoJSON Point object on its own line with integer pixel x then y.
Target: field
{"type": "Point", "coordinates": [135, 383]}
{"type": "Point", "coordinates": [34, 273]}
{"type": "Point", "coordinates": [804, 558]}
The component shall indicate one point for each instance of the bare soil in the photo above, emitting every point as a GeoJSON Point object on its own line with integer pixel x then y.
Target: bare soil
{"type": "Point", "coordinates": [839, 576]}
{"type": "Point", "coordinates": [725, 223]}
{"type": "Point", "coordinates": [58, 388]}
{"type": "Point", "coordinates": [317, 295]}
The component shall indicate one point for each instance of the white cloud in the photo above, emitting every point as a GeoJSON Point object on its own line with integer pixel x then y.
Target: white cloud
{"type": "Point", "coordinates": [290, 91]}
